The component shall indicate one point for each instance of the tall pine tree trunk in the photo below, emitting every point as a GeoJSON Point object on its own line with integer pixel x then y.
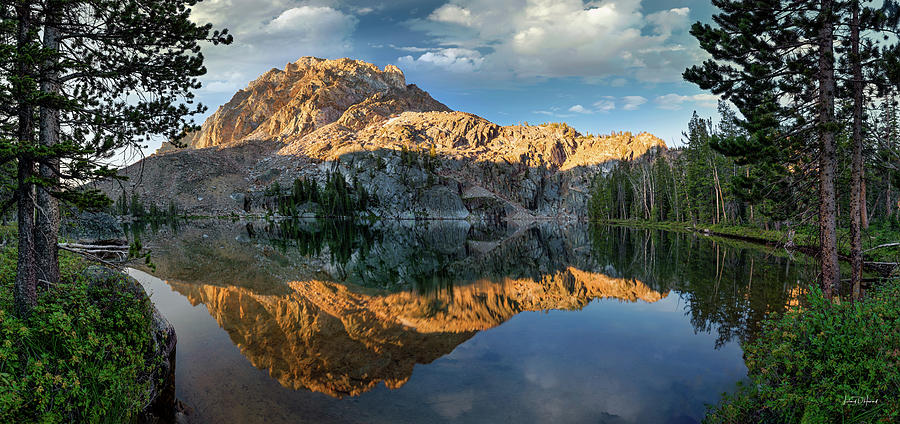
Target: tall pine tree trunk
{"type": "Point", "coordinates": [827, 154]}
{"type": "Point", "coordinates": [47, 217]}
{"type": "Point", "coordinates": [863, 202]}
{"type": "Point", "coordinates": [26, 278]}
{"type": "Point", "coordinates": [856, 161]}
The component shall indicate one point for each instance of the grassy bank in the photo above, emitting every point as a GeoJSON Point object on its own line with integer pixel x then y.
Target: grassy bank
{"type": "Point", "coordinates": [804, 238]}
{"type": "Point", "coordinates": [79, 356]}
{"type": "Point", "coordinates": [826, 363]}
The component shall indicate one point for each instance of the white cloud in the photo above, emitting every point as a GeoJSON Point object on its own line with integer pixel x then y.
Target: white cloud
{"type": "Point", "coordinates": [452, 59]}
{"type": "Point", "coordinates": [633, 102]}
{"type": "Point", "coordinates": [668, 21]}
{"type": "Point", "coordinates": [313, 23]}
{"type": "Point", "coordinates": [562, 38]}
{"type": "Point", "coordinates": [605, 105]}
{"type": "Point", "coordinates": [674, 101]}
{"type": "Point", "coordinates": [412, 49]}
{"type": "Point", "coordinates": [267, 35]}
{"type": "Point", "coordinates": [453, 14]}
{"type": "Point", "coordinates": [580, 109]}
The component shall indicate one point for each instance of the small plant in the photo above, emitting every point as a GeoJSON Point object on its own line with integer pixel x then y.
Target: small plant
{"type": "Point", "coordinates": [82, 355]}
{"type": "Point", "coordinates": [825, 363]}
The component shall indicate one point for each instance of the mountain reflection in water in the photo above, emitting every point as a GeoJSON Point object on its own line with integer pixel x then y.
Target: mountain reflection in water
{"type": "Point", "coordinates": [337, 307]}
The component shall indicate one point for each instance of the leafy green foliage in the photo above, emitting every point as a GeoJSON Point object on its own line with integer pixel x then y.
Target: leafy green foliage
{"type": "Point", "coordinates": [79, 356]}
{"type": "Point", "coordinates": [825, 362]}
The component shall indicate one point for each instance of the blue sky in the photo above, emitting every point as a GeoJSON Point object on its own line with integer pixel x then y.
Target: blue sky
{"type": "Point", "coordinates": [601, 66]}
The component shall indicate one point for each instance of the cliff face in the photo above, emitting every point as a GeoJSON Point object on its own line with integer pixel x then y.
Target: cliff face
{"type": "Point", "coordinates": [417, 157]}
{"type": "Point", "coordinates": [307, 95]}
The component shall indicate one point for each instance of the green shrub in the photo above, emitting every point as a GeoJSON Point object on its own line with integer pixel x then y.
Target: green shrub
{"type": "Point", "coordinates": [79, 356]}
{"type": "Point", "coordinates": [824, 363]}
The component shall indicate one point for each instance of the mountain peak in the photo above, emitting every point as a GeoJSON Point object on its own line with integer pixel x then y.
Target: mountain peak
{"type": "Point", "coordinates": [306, 95]}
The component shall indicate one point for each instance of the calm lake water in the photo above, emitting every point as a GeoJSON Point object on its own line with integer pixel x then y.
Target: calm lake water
{"type": "Point", "coordinates": [448, 322]}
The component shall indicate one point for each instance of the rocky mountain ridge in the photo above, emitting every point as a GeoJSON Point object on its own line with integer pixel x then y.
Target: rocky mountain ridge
{"type": "Point", "coordinates": [416, 156]}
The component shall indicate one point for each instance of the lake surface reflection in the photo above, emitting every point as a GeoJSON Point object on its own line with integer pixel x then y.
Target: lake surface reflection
{"type": "Point", "coordinates": [305, 321]}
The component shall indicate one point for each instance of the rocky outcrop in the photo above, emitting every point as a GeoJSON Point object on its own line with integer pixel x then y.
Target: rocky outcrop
{"type": "Point", "coordinates": [307, 95]}
{"type": "Point", "coordinates": [418, 158]}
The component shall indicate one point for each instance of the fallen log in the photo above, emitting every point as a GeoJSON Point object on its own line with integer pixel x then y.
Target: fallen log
{"type": "Point", "coordinates": [92, 257]}
{"type": "Point", "coordinates": [93, 246]}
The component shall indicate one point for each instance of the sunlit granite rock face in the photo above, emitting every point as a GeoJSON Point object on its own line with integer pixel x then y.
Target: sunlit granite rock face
{"type": "Point", "coordinates": [343, 340]}
{"type": "Point", "coordinates": [307, 95]}
{"type": "Point", "coordinates": [413, 154]}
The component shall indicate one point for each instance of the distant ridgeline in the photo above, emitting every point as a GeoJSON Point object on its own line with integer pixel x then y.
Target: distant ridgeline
{"type": "Point", "coordinates": [411, 155]}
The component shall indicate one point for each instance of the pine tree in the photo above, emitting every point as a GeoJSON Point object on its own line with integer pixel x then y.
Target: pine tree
{"type": "Point", "coordinates": [775, 60]}
{"type": "Point", "coordinates": [865, 48]}
{"type": "Point", "coordinates": [83, 79]}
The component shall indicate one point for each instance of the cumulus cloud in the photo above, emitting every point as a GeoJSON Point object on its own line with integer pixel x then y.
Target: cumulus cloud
{"type": "Point", "coordinates": [451, 13]}
{"type": "Point", "coordinates": [312, 23]}
{"type": "Point", "coordinates": [674, 101]}
{"type": "Point", "coordinates": [451, 59]}
{"type": "Point", "coordinates": [563, 38]}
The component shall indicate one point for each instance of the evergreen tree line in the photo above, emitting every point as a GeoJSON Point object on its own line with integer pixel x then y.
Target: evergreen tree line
{"type": "Point", "coordinates": [699, 184]}
{"type": "Point", "coordinates": [803, 74]}
{"type": "Point", "coordinates": [336, 199]}
{"type": "Point", "coordinates": [133, 206]}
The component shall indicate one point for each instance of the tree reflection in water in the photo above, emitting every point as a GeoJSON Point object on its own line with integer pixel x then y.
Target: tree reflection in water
{"type": "Point", "coordinates": [728, 286]}
{"type": "Point", "coordinates": [339, 306]}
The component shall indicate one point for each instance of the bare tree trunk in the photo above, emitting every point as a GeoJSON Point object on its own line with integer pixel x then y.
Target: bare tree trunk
{"type": "Point", "coordinates": [856, 161]}
{"type": "Point", "coordinates": [751, 206]}
{"type": "Point", "coordinates": [863, 202]}
{"type": "Point", "coordinates": [888, 203]}
{"type": "Point", "coordinates": [719, 194]}
{"type": "Point", "coordinates": [47, 218]}
{"type": "Point", "coordinates": [827, 154]}
{"type": "Point", "coordinates": [26, 277]}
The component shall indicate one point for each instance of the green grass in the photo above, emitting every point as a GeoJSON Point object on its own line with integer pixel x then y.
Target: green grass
{"type": "Point", "coordinates": [878, 233]}
{"type": "Point", "coordinates": [79, 356]}
{"type": "Point", "coordinates": [802, 236]}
